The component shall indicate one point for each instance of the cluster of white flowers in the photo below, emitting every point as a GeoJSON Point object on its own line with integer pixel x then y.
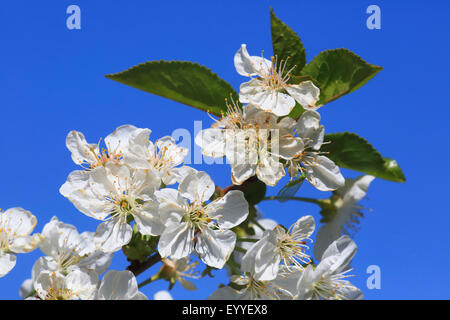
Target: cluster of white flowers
{"type": "Point", "coordinates": [258, 139]}
{"type": "Point", "coordinates": [277, 266]}
{"type": "Point", "coordinates": [125, 182]}
{"type": "Point", "coordinates": [128, 185]}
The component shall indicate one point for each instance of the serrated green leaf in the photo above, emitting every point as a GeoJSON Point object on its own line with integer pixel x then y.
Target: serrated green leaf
{"type": "Point", "coordinates": [339, 72]}
{"type": "Point", "coordinates": [290, 189]}
{"type": "Point", "coordinates": [185, 82]}
{"type": "Point", "coordinates": [286, 43]}
{"type": "Point", "coordinates": [392, 171]}
{"type": "Point", "coordinates": [351, 151]}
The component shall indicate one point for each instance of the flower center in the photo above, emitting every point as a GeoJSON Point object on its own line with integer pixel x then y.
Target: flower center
{"type": "Point", "coordinates": [104, 157]}
{"type": "Point", "coordinates": [333, 286]}
{"type": "Point", "coordinates": [278, 76]}
{"type": "Point", "coordinates": [292, 247]}
{"type": "Point", "coordinates": [197, 217]}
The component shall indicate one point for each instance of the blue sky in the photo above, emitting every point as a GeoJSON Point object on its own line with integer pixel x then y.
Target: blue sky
{"type": "Point", "coordinates": [52, 81]}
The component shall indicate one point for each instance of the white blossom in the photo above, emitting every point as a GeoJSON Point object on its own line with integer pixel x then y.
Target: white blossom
{"type": "Point", "coordinates": [163, 157]}
{"type": "Point", "coordinates": [76, 285]}
{"type": "Point", "coordinates": [16, 225]}
{"type": "Point", "coordinates": [263, 259]}
{"type": "Point", "coordinates": [266, 224]}
{"type": "Point", "coordinates": [270, 89]}
{"type": "Point", "coordinates": [89, 154]}
{"type": "Point", "coordinates": [194, 226]}
{"type": "Point", "coordinates": [328, 279]}
{"type": "Point", "coordinates": [114, 193]}
{"type": "Point", "coordinates": [64, 248]}
{"type": "Point", "coordinates": [179, 270]}
{"type": "Point", "coordinates": [253, 142]}
{"type": "Point", "coordinates": [320, 171]}
{"type": "Point", "coordinates": [246, 287]}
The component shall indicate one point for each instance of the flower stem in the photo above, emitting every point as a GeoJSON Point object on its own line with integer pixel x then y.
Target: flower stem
{"type": "Point", "coordinates": [153, 278]}
{"type": "Point", "coordinates": [256, 223]}
{"type": "Point", "coordinates": [311, 200]}
{"type": "Point", "coordinates": [246, 240]}
{"type": "Point", "coordinates": [138, 267]}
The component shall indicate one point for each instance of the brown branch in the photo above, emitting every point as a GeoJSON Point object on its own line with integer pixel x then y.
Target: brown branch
{"type": "Point", "coordinates": [138, 267]}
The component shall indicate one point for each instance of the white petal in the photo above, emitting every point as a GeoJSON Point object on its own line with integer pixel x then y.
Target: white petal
{"type": "Point", "coordinates": [267, 99]}
{"type": "Point", "coordinates": [17, 221]}
{"type": "Point", "coordinates": [148, 220]}
{"type": "Point", "coordinates": [59, 236]}
{"type": "Point", "coordinates": [342, 251]}
{"type": "Point", "coordinates": [304, 226]}
{"type": "Point", "coordinates": [140, 150]}
{"type": "Point", "coordinates": [309, 129]}
{"type": "Point", "coordinates": [248, 90]}
{"type": "Point", "coordinates": [43, 264]}
{"type": "Point", "coordinates": [171, 152]}
{"type": "Point", "coordinates": [197, 186]}
{"type": "Point", "coordinates": [82, 284]}
{"type": "Point", "coordinates": [171, 206]}
{"type": "Point", "coordinates": [241, 172]}
{"type": "Point", "coordinates": [356, 189]}
{"type": "Point", "coordinates": [250, 112]}
{"type": "Point", "coordinates": [176, 241]}
{"type": "Point", "coordinates": [78, 191]}
{"type": "Point", "coordinates": [288, 147]}
{"type": "Point", "coordinates": [305, 93]}
{"type": "Point", "coordinates": [350, 292]}
{"type": "Point", "coordinates": [324, 174]}
{"type": "Point", "coordinates": [94, 258]}
{"type": "Point", "coordinates": [118, 285]}
{"type": "Point", "coordinates": [118, 141]}
{"type": "Point", "coordinates": [109, 180]}
{"type": "Point", "coordinates": [113, 234]}
{"type": "Point", "coordinates": [212, 142]}
{"type": "Point", "coordinates": [82, 152]}
{"type": "Point", "coordinates": [215, 246]}
{"type": "Point", "coordinates": [247, 65]}
{"type": "Point", "coordinates": [162, 295]}
{"type": "Point", "coordinates": [305, 284]}
{"type": "Point", "coordinates": [144, 183]}
{"type": "Point", "coordinates": [230, 210]}
{"type": "Point", "coordinates": [261, 259]}
{"type": "Point", "coordinates": [26, 243]}
{"type": "Point", "coordinates": [7, 263]}
{"type": "Point", "coordinates": [178, 174]}
{"type": "Point", "coordinates": [269, 170]}
{"type": "Point", "coordinates": [325, 236]}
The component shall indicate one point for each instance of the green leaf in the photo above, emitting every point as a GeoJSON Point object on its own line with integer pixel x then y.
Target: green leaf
{"type": "Point", "coordinates": [185, 82]}
{"type": "Point", "coordinates": [350, 151]}
{"type": "Point", "coordinates": [290, 189]}
{"type": "Point", "coordinates": [286, 43]}
{"type": "Point", "coordinates": [339, 72]}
